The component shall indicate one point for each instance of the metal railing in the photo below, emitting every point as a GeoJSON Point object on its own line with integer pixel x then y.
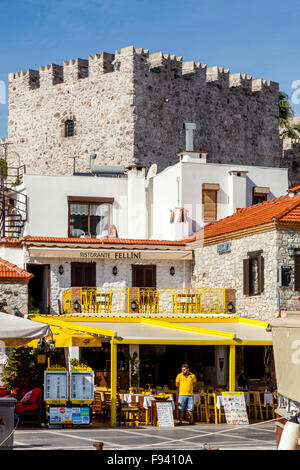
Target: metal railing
{"type": "Point", "coordinates": [145, 300]}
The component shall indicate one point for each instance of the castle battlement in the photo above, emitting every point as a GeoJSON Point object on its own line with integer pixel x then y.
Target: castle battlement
{"type": "Point", "coordinates": [131, 60]}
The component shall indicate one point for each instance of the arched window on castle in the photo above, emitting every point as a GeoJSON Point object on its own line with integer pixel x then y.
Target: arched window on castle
{"type": "Point", "coordinates": [69, 128]}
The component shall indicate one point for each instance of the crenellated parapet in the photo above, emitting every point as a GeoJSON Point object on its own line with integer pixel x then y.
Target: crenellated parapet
{"type": "Point", "coordinates": [135, 61]}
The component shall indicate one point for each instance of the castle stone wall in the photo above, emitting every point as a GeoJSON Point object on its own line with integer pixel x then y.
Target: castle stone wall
{"type": "Point", "coordinates": [130, 107]}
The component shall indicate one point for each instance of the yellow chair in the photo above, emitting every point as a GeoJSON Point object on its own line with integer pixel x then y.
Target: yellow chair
{"type": "Point", "coordinates": [212, 407]}
{"type": "Point", "coordinates": [202, 409]}
{"type": "Point", "coordinates": [259, 405]}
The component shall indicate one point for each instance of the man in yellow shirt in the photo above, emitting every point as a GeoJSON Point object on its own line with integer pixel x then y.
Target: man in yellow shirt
{"type": "Point", "coordinates": [186, 382]}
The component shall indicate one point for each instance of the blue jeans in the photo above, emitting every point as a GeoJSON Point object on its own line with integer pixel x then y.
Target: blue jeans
{"type": "Point", "coordinates": [186, 401]}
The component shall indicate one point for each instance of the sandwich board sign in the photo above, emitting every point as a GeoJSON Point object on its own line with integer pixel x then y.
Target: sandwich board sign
{"type": "Point", "coordinates": [165, 414]}
{"type": "Point", "coordinates": [235, 408]}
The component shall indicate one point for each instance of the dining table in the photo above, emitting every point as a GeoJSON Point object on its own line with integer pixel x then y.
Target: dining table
{"type": "Point", "coordinates": [148, 402]}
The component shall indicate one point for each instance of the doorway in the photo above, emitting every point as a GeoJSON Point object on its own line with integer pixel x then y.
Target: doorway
{"type": "Point", "coordinates": [39, 287]}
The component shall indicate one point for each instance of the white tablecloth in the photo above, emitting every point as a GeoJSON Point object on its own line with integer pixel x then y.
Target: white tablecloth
{"type": "Point", "coordinates": [147, 399]}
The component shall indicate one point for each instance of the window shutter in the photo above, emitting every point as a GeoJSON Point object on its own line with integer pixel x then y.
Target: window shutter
{"type": "Point", "coordinates": [246, 269]}
{"type": "Point", "coordinates": [261, 277]}
{"type": "Point", "coordinates": [297, 273]}
{"type": "Point", "coordinates": [209, 200]}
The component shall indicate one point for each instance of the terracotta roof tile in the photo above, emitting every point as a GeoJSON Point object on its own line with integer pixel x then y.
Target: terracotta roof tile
{"type": "Point", "coordinates": [11, 271]}
{"type": "Point", "coordinates": [283, 209]}
{"type": "Point", "coordinates": [102, 241]}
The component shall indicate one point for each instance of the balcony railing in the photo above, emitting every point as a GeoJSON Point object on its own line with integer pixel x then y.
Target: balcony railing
{"type": "Point", "coordinates": [143, 300]}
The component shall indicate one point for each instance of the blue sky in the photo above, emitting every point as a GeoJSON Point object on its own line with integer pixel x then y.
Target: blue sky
{"type": "Point", "coordinates": [259, 38]}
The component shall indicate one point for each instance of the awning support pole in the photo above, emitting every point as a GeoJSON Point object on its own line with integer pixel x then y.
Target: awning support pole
{"type": "Point", "coordinates": [113, 383]}
{"type": "Point", "coordinates": [231, 368]}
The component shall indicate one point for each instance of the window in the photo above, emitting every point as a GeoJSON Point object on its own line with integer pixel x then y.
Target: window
{"type": "Point", "coordinates": [89, 217]}
{"type": "Point", "coordinates": [260, 194]}
{"type": "Point", "coordinates": [209, 201]}
{"type": "Point", "coordinates": [253, 267]}
{"type": "Point", "coordinates": [69, 128]}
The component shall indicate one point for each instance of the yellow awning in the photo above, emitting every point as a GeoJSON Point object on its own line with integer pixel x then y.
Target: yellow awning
{"type": "Point", "coordinates": [66, 338]}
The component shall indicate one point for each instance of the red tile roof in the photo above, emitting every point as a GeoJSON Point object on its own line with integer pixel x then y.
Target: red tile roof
{"type": "Point", "coordinates": [102, 241]}
{"type": "Point", "coordinates": [282, 209]}
{"type": "Point", "coordinates": [13, 272]}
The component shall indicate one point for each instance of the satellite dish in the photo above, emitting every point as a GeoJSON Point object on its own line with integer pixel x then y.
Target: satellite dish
{"type": "Point", "coordinates": [152, 171]}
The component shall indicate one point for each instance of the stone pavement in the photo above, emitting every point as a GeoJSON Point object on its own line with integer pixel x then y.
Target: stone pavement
{"type": "Point", "coordinates": [221, 436]}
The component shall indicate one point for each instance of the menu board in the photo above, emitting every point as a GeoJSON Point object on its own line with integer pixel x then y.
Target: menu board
{"type": "Point", "coordinates": [165, 414]}
{"type": "Point", "coordinates": [235, 408]}
{"type": "Point", "coordinates": [69, 415]}
{"type": "Point", "coordinates": [56, 385]}
{"type": "Point", "coordinates": [82, 385]}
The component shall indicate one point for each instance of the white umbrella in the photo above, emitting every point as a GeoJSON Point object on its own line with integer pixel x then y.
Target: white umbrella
{"type": "Point", "coordinates": [16, 331]}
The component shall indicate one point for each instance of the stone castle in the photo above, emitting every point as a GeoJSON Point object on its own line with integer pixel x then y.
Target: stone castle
{"type": "Point", "coordinates": [129, 108]}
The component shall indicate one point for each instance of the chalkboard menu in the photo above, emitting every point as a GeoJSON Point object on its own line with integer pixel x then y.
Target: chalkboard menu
{"type": "Point", "coordinates": [235, 407]}
{"type": "Point", "coordinates": [165, 414]}
{"type": "Point", "coordinates": [56, 386]}
{"type": "Point", "coordinates": [82, 385]}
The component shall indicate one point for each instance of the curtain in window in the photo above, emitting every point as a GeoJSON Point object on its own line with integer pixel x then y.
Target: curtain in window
{"type": "Point", "coordinates": [79, 209]}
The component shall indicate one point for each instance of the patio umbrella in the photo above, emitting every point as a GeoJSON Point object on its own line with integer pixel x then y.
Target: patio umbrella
{"type": "Point", "coordinates": [65, 338]}
{"type": "Point", "coordinates": [17, 331]}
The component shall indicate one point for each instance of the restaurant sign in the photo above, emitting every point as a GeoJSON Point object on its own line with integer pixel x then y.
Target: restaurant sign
{"type": "Point", "coordinates": [113, 255]}
{"type": "Point", "coordinates": [224, 247]}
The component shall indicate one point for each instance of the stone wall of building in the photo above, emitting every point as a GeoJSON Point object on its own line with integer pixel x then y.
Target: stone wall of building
{"type": "Point", "coordinates": [226, 271]}
{"type": "Point", "coordinates": [105, 277]}
{"type": "Point", "coordinates": [130, 107]}
{"type": "Point", "coordinates": [289, 297]}
{"type": "Point", "coordinates": [14, 295]}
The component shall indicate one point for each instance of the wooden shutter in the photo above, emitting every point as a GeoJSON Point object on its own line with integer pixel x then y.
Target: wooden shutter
{"type": "Point", "coordinates": [209, 201]}
{"type": "Point", "coordinates": [83, 274]}
{"type": "Point", "coordinates": [246, 276]}
{"type": "Point", "coordinates": [261, 277]}
{"type": "Point", "coordinates": [143, 275]}
{"type": "Point", "coordinates": [297, 272]}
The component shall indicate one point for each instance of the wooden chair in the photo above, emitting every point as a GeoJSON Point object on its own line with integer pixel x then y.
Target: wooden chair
{"type": "Point", "coordinates": [148, 300]}
{"type": "Point", "coordinates": [259, 405]}
{"type": "Point", "coordinates": [98, 406]}
{"type": "Point", "coordinates": [212, 407]}
{"type": "Point", "coordinates": [202, 409]}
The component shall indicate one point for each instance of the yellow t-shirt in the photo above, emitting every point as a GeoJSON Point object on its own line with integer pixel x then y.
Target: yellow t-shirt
{"type": "Point", "coordinates": [186, 383]}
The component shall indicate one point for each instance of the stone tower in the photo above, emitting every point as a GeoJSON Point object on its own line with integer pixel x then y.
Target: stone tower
{"type": "Point", "coordinates": [129, 107]}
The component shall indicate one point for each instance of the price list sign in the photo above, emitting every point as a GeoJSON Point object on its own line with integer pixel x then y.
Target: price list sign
{"type": "Point", "coordinates": [56, 386]}
{"type": "Point", "coordinates": [235, 408]}
{"type": "Point", "coordinates": [165, 414]}
{"type": "Point", "coordinates": [82, 386]}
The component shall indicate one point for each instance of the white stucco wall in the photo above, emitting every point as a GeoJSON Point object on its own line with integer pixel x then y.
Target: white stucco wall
{"type": "Point", "coordinates": [48, 202]}
{"type": "Point", "coordinates": [235, 191]}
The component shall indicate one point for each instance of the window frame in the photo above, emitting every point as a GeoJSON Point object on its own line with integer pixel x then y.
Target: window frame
{"type": "Point", "coordinates": [251, 256]}
{"type": "Point", "coordinates": [211, 188]}
{"type": "Point", "coordinates": [89, 201]}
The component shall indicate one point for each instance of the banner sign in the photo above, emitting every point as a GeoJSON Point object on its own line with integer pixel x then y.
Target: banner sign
{"type": "Point", "coordinates": [113, 255]}
{"type": "Point", "coordinates": [69, 415]}
{"type": "Point", "coordinates": [235, 408]}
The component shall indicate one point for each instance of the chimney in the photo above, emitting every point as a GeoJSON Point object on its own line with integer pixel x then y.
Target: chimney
{"type": "Point", "coordinates": [189, 127]}
{"type": "Point", "coordinates": [294, 191]}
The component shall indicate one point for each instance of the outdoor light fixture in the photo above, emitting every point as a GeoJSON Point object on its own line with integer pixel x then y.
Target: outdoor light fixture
{"type": "Point", "coordinates": [133, 305]}
{"type": "Point", "coordinates": [291, 251]}
{"type": "Point", "coordinates": [61, 269]}
{"type": "Point", "coordinates": [51, 345]}
{"type": "Point", "coordinates": [115, 270]}
{"type": "Point", "coordinates": [230, 306]}
{"type": "Point", "coordinates": [76, 306]}
{"type": "Point", "coordinates": [172, 270]}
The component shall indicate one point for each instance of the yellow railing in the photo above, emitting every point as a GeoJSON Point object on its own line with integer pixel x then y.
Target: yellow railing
{"type": "Point", "coordinates": [66, 298]}
{"type": "Point", "coordinates": [103, 299]}
{"type": "Point", "coordinates": [145, 300]}
{"type": "Point", "coordinates": [180, 301]}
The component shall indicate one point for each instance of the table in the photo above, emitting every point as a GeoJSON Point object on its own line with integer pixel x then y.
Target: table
{"type": "Point", "coordinates": [148, 403]}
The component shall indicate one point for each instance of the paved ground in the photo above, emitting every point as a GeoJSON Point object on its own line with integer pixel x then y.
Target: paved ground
{"type": "Point", "coordinates": [222, 436]}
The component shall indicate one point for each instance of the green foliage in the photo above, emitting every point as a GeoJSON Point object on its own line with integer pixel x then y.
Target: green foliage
{"type": "Point", "coordinates": [3, 168]}
{"type": "Point", "coordinates": [22, 370]}
{"type": "Point", "coordinates": [32, 307]}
